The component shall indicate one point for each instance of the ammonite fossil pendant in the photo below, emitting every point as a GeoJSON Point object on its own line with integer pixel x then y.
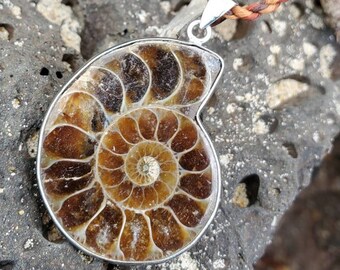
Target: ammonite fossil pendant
{"type": "Point", "coordinates": [125, 167]}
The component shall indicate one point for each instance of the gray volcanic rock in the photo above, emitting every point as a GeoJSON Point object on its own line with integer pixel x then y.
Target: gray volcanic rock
{"type": "Point", "coordinates": [308, 236]}
{"type": "Point", "coordinates": [40, 49]}
{"type": "Point", "coordinates": [331, 8]}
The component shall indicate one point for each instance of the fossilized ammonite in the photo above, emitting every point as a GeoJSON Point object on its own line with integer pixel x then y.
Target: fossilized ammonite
{"type": "Point", "coordinates": [125, 170]}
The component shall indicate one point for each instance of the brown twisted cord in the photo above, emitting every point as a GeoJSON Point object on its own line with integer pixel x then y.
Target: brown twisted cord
{"type": "Point", "coordinates": [253, 11]}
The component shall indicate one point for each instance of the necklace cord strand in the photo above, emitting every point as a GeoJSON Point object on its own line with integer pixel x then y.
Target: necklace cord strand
{"type": "Point", "coordinates": [253, 11]}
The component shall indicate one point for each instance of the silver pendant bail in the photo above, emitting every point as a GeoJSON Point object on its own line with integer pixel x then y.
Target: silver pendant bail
{"type": "Point", "coordinates": [197, 40]}
{"type": "Point", "coordinates": [214, 10]}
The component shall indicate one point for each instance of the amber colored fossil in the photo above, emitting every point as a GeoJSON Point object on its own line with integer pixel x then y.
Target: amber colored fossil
{"type": "Point", "coordinates": [124, 167]}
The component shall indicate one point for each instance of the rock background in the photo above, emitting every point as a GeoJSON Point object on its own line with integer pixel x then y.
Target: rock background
{"type": "Point", "coordinates": [309, 233]}
{"type": "Point", "coordinates": [43, 43]}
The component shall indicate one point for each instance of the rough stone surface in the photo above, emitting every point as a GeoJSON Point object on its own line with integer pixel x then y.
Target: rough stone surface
{"type": "Point", "coordinates": [331, 8]}
{"type": "Point", "coordinates": [36, 61]}
{"type": "Point", "coordinates": [62, 15]}
{"type": "Point", "coordinates": [308, 236]}
{"type": "Point", "coordinates": [286, 92]}
{"type": "Point", "coordinates": [226, 30]}
{"type": "Point", "coordinates": [330, 62]}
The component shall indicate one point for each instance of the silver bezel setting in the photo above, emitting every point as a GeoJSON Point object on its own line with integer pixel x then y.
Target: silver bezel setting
{"type": "Point", "coordinates": [197, 119]}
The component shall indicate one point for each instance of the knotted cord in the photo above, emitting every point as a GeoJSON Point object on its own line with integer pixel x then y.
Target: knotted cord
{"type": "Point", "coordinates": [253, 11]}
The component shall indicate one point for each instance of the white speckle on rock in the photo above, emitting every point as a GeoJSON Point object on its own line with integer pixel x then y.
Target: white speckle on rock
{"type": "Point", "coordinates": [21, 212]}
{"type": "Point", "coordinates": [226, 159]}
{"type": "Point", "coordinates": [69, 34]}
{"type": "Point", "coordinates": [2, 190]}
{"type": "Point", "coordinates": [60, 14]}
{"type": "Point", "coordinates": [226, 30]}
{"type": "Point", "coordinates": [280, 27]}
{"type": "Point", "coordinates": [166, 6]}
{"type": "Point", "coordinates": [275, 49]}
{"type": "Point", "coordinates": [330, 121]}
{"type": "Point", "coordinates": [238, 62]}
{"type": "Point", "coordinates": [153, 30]}
{"type": "Point", "coordinates": [327, 57]}
{"type": "Point", "coordinates": [32, 145]}
{"type": "Point", "coordinates": [272, 60]}
{"type": "Point", "coordinates": [295, 11]}
{"type": "Point", "coordinates": [85, 258]}
{"type": "Point", "coordinates": [219, 264]}
{"type": "Point", "coordinates": [316, 21]}
{"type": "Point", "coordinates": [16, 11]}
{"type": "Point", "coordinates": [243, 64]}
{"type": "Point", "coordinates": [260, 127]}
{"type": "Point", "coordinates": [310, 4]}
{"type": "Point", "coordinates": [316, 137]}
{"type": "Point", "coordinates": [274, 222]}
{"type": "Point", "coordinates": [184, 261]}
{"type": "Point", "coordinates": [16, 103]}
{"type": "Point", "coordinates": [29, 244]}
{"type": "Point", "coordinates": [285, 92]}
{"type": "Point", "coordinates": [309, 49]}
{"type": "Point", "coordinates": [54, 11]}
{"type": "Point", "coordinates": [297, 64]}
{"type": "Point", "coordinates": [265, 27]}
{"type": "Point", "coordinates": [211, 110]}
{"type": "Point", "coordinates": [4, 35]}
{"type": "Point", "coordinates": [19, 43]}
{"type": "Point", "coordinates": [233, 108]}
{"type": "Point", "coordinates": [143, 16]}
{"type": "Point", "coordinates": [240, 197]}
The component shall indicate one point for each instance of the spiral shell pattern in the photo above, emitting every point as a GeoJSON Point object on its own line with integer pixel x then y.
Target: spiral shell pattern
{"type": "Point", "coordinates": [125, 169]}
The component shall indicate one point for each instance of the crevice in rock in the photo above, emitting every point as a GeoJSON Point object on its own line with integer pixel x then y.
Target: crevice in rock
{"type": "Point", "coordinates": [252, 183]}
{"type": "Point", "coordinates": [291, 149]}
{"type": "Point", "coordinates": [110, 267]}
{"type": "Point", "coordinates": [268, 26]}
{"type": "Point", "coordinates": [50, 231]}
{"type": "Point", "coordinates": [317, 3]}
{"type": "Point", "coordinates": [246, 192]}
{"type": "Point", "coordinates": [178, 4]}
{"type": "Point", "coordinates": [7, 265]}
{"type": "Point", "coordinates": [44, 72]}
{"type": "Point", "coordinates": [298, 78]}
{"type": "Point", "coordinates": [9, 29]}
{"type": "Point", "coordinates": [300, 7]}
{"type": "Point", "coordinates": [70, 3]}
{"type": "Point", "coordinates": [271, 122]}
{"type": "Point", "coordinates": [124, 32]}
{"type": "Point", "coordinates": [73, 60]}
{"type": "Point", "coordinates": [321, 89]}
{"type": "Point", "coordinates": [243, 28]}
{"type": "Point", "coordinates": [59, 74]}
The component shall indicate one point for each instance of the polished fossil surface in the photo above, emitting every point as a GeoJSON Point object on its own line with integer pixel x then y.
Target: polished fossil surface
{"type": "Point", "coordinates": [126, 170]}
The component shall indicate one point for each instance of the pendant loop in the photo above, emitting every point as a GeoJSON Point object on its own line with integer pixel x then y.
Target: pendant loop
{"type": "Point", "coordinates": [193, 38]}
{"type": "Point", "coordinates": [214, 10]}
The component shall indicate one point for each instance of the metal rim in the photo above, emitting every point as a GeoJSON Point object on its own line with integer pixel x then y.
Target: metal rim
{"type": "Point", "coordinates": [193, 38]}
{"type": "Point", "coordinates": [197, 119]}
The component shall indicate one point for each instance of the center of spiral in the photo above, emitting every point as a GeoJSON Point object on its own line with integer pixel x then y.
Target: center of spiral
{"type": "Point", "coordinates": [148, 163]}
{"type": "Point", "coordinates": [149, 168]}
